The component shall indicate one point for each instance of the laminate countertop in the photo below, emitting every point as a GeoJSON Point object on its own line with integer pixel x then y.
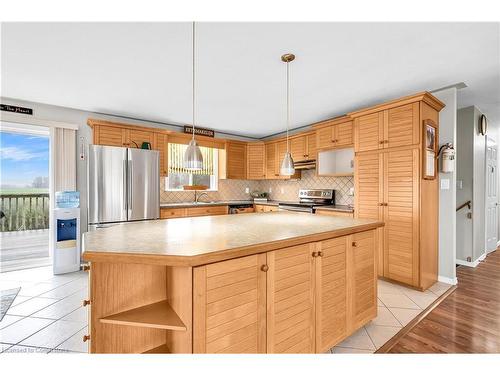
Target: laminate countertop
{"type": "Point", "coordinates": [193, 241]}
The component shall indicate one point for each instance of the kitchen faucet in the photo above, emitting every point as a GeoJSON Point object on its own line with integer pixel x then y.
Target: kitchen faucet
{"type": "Point", "coordinates": [197, 197]}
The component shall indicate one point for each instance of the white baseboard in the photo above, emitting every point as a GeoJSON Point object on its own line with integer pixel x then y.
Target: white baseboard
{"type": "Point", "coordinates": [471, 264]}
{"type": "Point", "coordinates": [448, 280]}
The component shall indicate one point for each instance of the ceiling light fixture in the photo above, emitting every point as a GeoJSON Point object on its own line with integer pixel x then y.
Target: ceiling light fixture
{"type": "Point", "coordinates": [287, 165]}
{"type": "Point", "coordinates": [193, 160]}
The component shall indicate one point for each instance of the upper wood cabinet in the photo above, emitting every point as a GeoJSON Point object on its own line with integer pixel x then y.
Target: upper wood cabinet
{"type": "Point", "coordinates": [229, 300]}
{"type": "Point", "coordinates": [337, 133]}
{"type": "Point", "coordinates": [256, 161]}
{"type": "Point", "coordinates": [393, 127]}
{"type": "Point", "coordinates": [135, 138]}
{"type": "Point", "coordinates": [161, 144]}
{"type": "Point", "coordinates": [109, 136]}
{"type": "Point", "coordinates": [290, 300]}
{"type": "Point", "coordinates": [303, 147]}
{"type": "Point", "coordinates": [311, 146]}
{"type": "Point", "coordinates": [275, 153]}
{"type": "Point", "coordinates": [233, 161]}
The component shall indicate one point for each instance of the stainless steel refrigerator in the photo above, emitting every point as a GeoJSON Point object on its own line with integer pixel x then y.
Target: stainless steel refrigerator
{"type": "Point", "coordinates": [123, 185]}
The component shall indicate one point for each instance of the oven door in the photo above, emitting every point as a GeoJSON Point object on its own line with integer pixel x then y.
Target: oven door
{"type": "Point", "coordinates": [285, 207]}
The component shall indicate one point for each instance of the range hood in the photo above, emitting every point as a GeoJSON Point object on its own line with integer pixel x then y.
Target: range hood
{"type": "Point", "coordinates": [305, 164]}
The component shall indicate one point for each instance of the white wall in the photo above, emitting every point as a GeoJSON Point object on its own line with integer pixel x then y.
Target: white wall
{"type": "Point", "coordinates": [447, 197]}
{"type": "Point", "coordinates": [55, 113]}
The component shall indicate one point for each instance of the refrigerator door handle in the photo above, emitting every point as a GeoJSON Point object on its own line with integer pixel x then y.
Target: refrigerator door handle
{"type": "Point", "coordinates": [129, 188]}
{"type": "Point", "coordinates": [125, 187]}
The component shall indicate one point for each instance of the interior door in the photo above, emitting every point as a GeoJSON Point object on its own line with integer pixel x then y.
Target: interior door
{"type": "Point", "coordinates": [491, 195]}
{"type": "Point", "coordinates": [290, 300]}
{"type": "Point", "coordinates": [143, 187]}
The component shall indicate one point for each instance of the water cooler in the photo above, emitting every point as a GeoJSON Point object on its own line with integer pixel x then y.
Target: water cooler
{"type": "Point", "coordinates": [66, 236]}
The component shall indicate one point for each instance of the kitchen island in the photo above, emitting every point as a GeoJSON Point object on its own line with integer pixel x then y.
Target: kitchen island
{"type": "Point", "coordinates": [253, 283]}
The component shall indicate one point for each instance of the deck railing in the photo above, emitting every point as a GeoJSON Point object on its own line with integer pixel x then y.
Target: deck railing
{"type": "Point", "coordinates": [24, 212]}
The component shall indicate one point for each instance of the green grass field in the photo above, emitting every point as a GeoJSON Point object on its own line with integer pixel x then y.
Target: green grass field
{"type": "Point", "coordinates": [24, 191]}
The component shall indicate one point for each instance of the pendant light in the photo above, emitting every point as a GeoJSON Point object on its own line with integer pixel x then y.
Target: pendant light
{"type": "Point", "coordinates": [193, 160]}
{"type": "Point", "coordinates": [287, 165]}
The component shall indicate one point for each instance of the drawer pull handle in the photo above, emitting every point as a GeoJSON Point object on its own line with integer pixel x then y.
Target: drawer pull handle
{"type": "Point", "coordinates": [314, 254]}
{"type": "Point", "coordinates": [86, 338]}
{"type": "Point", "coordinates": [354, 244]}
{"type": "Point", "coordinates": [264, 268]}
{"type": "Point", "coordinates": [86, 267]}
{"type": "Point", "coordinates": [320, 253]}
{"type": "Point", "coordinates": [85, 302]}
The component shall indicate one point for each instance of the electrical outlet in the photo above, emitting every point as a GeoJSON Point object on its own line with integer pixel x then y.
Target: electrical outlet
{"type": "Point", "coordinates": [351, 192]}
{"type": "Point", "coordinates": [282, 191]}
{"type": "Point", "coordinates": [247, 190]}
{"type": "Point", "coordinates": [270, 190]}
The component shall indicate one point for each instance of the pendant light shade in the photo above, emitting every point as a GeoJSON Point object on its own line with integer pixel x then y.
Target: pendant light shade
{"type": "Point", "coordinates": [193, 160]}
{"type": "Point", "coordinates": [287, 165]}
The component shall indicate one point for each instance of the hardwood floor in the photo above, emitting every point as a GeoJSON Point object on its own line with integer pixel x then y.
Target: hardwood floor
{"type": "Point", "coordinates": [467, 321]}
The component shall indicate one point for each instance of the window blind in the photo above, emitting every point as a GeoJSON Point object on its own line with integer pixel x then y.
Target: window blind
{"type": "Point", "coordinates": [176, 159]}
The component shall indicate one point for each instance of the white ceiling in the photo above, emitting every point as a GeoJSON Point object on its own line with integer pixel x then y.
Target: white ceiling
{"type": "Point", "coordinates": [143, 70]}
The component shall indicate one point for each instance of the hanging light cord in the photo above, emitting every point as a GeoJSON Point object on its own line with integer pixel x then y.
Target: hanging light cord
{"type": "Point", "coordinates": [287, 103]}
{"type": "Point", "coordinates": [193, 92]}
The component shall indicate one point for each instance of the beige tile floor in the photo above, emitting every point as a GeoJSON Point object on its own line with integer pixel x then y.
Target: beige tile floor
{"type": "Point", "coordinates": [397, 306]}
{"type": "Point", "coordinates": [47, 315]}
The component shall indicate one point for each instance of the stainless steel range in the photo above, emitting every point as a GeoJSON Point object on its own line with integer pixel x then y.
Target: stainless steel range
{"type": "Point", "coordinates": [309, 199]}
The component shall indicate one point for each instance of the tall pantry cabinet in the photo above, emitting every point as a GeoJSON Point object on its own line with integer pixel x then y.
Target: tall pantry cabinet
{"type": "Point", "coordinates": [389, 186]}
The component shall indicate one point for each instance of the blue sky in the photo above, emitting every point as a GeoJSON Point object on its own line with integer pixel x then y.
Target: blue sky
{"type": "Point", "coordinates": [22, 158]}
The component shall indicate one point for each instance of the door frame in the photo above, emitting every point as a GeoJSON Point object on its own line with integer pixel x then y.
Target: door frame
{"type": "Point", "coordinates": [488, 142]}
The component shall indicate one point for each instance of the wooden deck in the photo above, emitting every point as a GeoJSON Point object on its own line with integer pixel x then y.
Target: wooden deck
{"type": "Point", "coordinates": [24, 249]}
{"type": "Point", "coordinates": [467, 321]}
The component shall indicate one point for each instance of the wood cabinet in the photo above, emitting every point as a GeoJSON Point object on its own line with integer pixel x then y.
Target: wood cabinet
{"type": "Point", "coordinates": [275, 152]}
{"type": "Point", "coordinates": [233, 161]}
{"type": "Point", "coordinates": [229, 300]}
{"type": "Point", "coordinates": [299, 299]}
{"type": "Point", "coordinates": [337, 133]}
{"type": "Point", "coordinates": [303, 147]}
{"type": "Point", "coordinates": [256, 161]}
{"type": "Point", "coordinates": [389, 186]}
{"type": "Point", "coordinates": [290, 300]}
{"type": "Point", "coordinates": [109, 136]}
{"type": "Point", "coordinates": [265, 208]}
{"type": "Point", "coordinates": [161, 145]}
{"type": "Point", "coordinates": [335, 213]}
{"type": "Point", "coordinates": [393, 127]}
{"type": "Point", "coordinates": [311, 148]}
{"type": "Point", "coordinates": [170, 213]}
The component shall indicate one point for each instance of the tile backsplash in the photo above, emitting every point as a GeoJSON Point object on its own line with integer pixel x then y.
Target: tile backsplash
{"type": "Point", "coordinates": [289, 190]}
{"type": "Point", "coordinates": [281, 190]}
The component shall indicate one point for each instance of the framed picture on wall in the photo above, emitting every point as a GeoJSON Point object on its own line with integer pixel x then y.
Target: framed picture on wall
{"type": "Point", "coordinates": [430, 141]}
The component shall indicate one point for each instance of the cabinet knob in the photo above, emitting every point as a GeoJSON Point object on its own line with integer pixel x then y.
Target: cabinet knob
{"type": "Point", "coordinates": [314, 254]}
{"type": "Point", "coordinates": [320, 253]}
{"type": "Point", "coordinates": [86, 338]}
{"type": "Point", "coordinates": [86, 267]}
{"type": "Point", "coordinates": [86, 302]}
{"type": "Point", "coordinates": [264, 268]}
{"type": "Point", "coordinates": [354, 244]}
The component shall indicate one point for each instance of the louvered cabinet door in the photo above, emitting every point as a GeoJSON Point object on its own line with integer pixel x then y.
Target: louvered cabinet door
{"type": "Point", "coordinates": [229, 306]}
{"type": "Point", "coordinates": [161, 146]}
{"type": "Point", "coordinates": [325, 137]}
{"type": "Point", "coordinates": [311, 146]}
{"type": "Point", "coordinates": [271, 163]}
{"type": "Point", "coordinates": [135, 138]}
{"type": "Point", "coordinates": [331, 293]}
{"type": "Point", "coordinates": [236, 160]}
{"type": "Point", "coordinates": [109, 136]}
{"type": "Point", "coordinates": [369, 132]}
{"type": "Point", "coordinates": [401, 191]}
{"type": "Point", "coordinates": [369, 197]}
{"type": "Point", "coordinates": [290, 300]}
{"type": "Point", "coordinates": [344, 134]}
{"type": "Point", "coordinates": [401, 126]}
{"type": "Point", "coordinates": [362, 276]}
{"type": "Point", "coordinates": [256, 161]}
{"type": "Point", "coordinates": [298, 148]}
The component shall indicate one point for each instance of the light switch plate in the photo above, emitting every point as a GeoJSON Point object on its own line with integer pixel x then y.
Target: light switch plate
{"type": "Point", "coordinates": [445, 184]}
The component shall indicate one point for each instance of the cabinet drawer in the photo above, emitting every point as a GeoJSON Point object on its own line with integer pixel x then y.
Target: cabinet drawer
{"type": "Point", "coordinates": [206, 211]}
{"type": "Point", "coordinates": [166, 213]}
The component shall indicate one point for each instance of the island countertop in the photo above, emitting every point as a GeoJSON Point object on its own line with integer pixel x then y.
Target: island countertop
{"type": "Point", "coordinates": [194, 241]}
